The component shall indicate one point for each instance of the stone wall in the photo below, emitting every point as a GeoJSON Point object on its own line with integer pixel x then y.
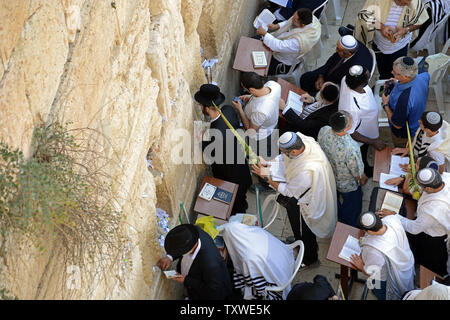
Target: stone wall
{"type": "Point", "coordinates": [128, 72]}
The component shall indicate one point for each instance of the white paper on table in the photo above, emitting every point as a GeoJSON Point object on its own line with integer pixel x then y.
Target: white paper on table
{"type": "Point", "coordinates": [351, 246]}
{"type": "Point", "coordinates": [294, 102]}
{"type": "Point", "coordinates": [277, 170]}
{"type": "Point", "coordinates": [282, 3]}
{"type": "Point", "coordinates": [265, 18]}
{"type": "Point", "coordinates": [395, 162]}
{"type": "Point", "coordinates": [383, 178]}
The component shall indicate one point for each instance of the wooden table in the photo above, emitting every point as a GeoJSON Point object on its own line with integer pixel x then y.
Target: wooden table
{"type": "Point", "coordinates": [218, 209]}
{"type": "Point", "coordinates": [243, 60]}
{"type": "Point", "coordinates": [286, 86]}
{"type": "Point", "coordinates": [426, 276]}
{"type": "Point", "coordinates": [382, 163]}
{"type": "Point", "coordinates": [337, 242]}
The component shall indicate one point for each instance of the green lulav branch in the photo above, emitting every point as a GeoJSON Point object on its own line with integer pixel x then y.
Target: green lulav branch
{"type": "Point", "coordinates": [413, 182]}
{"type": "Point", "coordinates": [253, 158]}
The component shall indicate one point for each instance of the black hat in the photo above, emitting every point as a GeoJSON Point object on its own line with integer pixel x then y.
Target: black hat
{"type": "Point", "coordinates": [181, 240]}
{"type": "Point", "coordinates": [207, 94]}
{"type": "Point", "coordinates": [330, 92]}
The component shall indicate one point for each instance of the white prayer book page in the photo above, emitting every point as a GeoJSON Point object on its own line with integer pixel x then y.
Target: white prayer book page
{"type": "Point", "coordinates": [392, 202]}
{"type": "Point", "coordinates": [383, 178]}
{"type": "Point", "coordinates": [277, 171]}
{"type": "Point", "coordinates": [170, 274]}
{"type": "Point", "coordinates": [351, 247]}
{"type": "Point", "coordinates": [280, 2]}
{"type": "Point", "coordinates": [395, 162]}
{"type": "Point", "coordinates": [264, 19]}
{"type": "Point", "coordinates": [294, 102]}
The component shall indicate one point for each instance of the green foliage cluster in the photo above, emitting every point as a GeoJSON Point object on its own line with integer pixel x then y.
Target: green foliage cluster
{"type": "Point", "coordinates": [55, 193]}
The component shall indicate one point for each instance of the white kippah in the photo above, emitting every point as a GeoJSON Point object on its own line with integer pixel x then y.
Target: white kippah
{"type": "Point", "coordinates": [433, 117]}
{"type": "Point", "coordinates": [349, 42]}
{"type": "Point", "coordinates": [368, 219]}
{"type": "Point", "coordinates": [356, 70]}
{"type": "Point", "coordinates": [425, 176]}
{"type": "Point", "coordinates": [287, 139]}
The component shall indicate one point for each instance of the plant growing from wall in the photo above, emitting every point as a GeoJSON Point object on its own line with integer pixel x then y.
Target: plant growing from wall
{"type": "Point", "coordinates": [60, 193]}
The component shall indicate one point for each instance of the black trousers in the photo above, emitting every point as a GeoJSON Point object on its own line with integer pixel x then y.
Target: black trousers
{"type": "Point", "coordinates": [430, 252]}
{"type": "Point", "coordinates": [302, 232]}
{"type": "Point", "coordinates": [368, 170]}
{"type": "Point", "coordinates": [385, 61]}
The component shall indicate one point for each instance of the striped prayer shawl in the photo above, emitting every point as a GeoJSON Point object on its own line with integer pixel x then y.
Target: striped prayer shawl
{"type": "Point", "coordinates": [378, 10]}
{"type": "Point", "coordinates": [258, 286]}
{"type": "Point", "coordinates": [420, 148]}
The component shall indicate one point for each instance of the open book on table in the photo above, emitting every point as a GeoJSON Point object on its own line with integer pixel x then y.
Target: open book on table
{"type": "Point", "coordinates": [351, 246]}
{"type": "Point", "coordinates": [395, 165]}
{"type": "Point", "coordinates": [392, 201]}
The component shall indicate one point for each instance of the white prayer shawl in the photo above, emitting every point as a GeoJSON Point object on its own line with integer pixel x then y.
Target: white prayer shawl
{"type": "Point", "coordinates": [307, 36]}
{"type": "Point", "coordinates": [320, 213]}
{"type": "Point", "coordinates": [259, 260]}
{"type": "Point", "coordinates": [443, 196]}
{"type": "Point", "coordinates": [394, 244]}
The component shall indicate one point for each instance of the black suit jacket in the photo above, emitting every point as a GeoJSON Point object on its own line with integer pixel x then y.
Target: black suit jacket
{"type": "Point", "coordinates": [361, 57]}
{"type": "Point", "coordinates": [231, 171]}
{"type": "Point", "coordinates": [297, 4]}
{"type": "Point", "coordinates": [312, 124]}
{"type": "Point", "coordinates": [208, 278]}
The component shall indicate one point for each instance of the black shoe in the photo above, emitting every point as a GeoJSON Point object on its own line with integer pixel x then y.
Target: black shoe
{"type": "Point", "coordinates": [344, 31]}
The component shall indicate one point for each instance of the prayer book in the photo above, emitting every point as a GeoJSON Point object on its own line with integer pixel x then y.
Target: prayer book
{"type": "Point", "coordinates": [264, 19]}
{"type": "Point", "coordinates": [223, 195]}
{"type": "Point", "coordinates": [259, 59]}
{"type": "Point", "coordinates": [383, 178]}
{"type": "Point", "coordinates": [351, 246]}
{"type": "Point", "coordinates": [395, 165]}
{"type": "Point", "coordinates": [294, 102]}
{"type": "Point", "coordinates": [282, 3]}
{"type": "Point", "coordinates": [207, 191]}
{"type": "Point", "coordinates": [170, 274]}
{"type": "Point", "coordinates": [392, 202]}
{"type": "Point", "coordinates": [277, 171]}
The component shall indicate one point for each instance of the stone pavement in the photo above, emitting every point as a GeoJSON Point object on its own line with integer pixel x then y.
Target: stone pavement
{"type": "Point", "coordinates": [281, 227]}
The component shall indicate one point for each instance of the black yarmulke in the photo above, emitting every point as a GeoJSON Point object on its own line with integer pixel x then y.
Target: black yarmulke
{"type": "Point", "coordinates": [408, 61]}
{"type": "Point", "coordinates": [337, 121]}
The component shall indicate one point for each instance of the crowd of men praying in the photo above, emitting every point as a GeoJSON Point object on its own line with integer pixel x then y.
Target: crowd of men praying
{"type": "Point", "coordinates": [323, 152]}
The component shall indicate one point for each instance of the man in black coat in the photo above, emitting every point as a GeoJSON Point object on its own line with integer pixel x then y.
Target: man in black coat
{"type": "Point", "coordinates": [349, 52]}
{"type": "Point", "coordinates": [315, 115]}
{"type": "Point", "coordinates": [288, 12]}
{"type": "Point", "coordinates": [227, 158]}
{"type": "Point", "coordinates": [201, 269]}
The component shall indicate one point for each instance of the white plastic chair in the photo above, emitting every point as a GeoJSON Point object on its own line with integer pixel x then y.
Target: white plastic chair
{"type": "Point", "coordinates": [323, 17]}
{"type": "Point", "coordinates": [276, 209]}
{"type": "Point", "coordinates": [298, 263]}
{"type": "Point", "coordinates": [436, 80]}
{"type": "Point", "coordinates": [295, 71]}
{"type": "Point", "coordinates": [431, 47]}
{"type": "Point", "coordinates": [383, 120]}
{"type": "Point", "coordinates": [374, 59]}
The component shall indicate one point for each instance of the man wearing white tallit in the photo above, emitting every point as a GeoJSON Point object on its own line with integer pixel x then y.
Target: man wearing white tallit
{"type": "Point", "coordinates": [259, 260]}
{"type": "Point", "coordinates": [385, 256]}
{"type": "Point", "coordinates": [309, 190]}
{"type": "Point", "coordinates": [429, 231]}
{"type": "Point", "coordinates": [291, 39]}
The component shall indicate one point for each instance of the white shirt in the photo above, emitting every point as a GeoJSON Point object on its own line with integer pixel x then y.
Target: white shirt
{"type": "Point", "coordinates": [285, 51]}
{"type": "Point", "coordinates": [363, 108]}
{"type": "Point", "coordinates": [296, 186]}
{"type": "Point", "coordinates": [373, 257]}
{"type": "Point", "coordinates": [186, 261]}
{"type": "Point", "coordinates": [385, 45]}
{"type": "Point", "coordinates": [263, 111]}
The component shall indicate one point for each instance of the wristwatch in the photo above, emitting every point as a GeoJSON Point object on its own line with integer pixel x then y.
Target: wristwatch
{"type": "Point", "coordinates": [385, 105]}
{"type": "Point", "coordinates": [266, 179]}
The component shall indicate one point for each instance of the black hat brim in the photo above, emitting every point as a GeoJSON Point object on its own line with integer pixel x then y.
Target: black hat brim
{"type": "Point", "coordinates": [207, 102]}
{"type": "Point", "coordinates": [181, 239]}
